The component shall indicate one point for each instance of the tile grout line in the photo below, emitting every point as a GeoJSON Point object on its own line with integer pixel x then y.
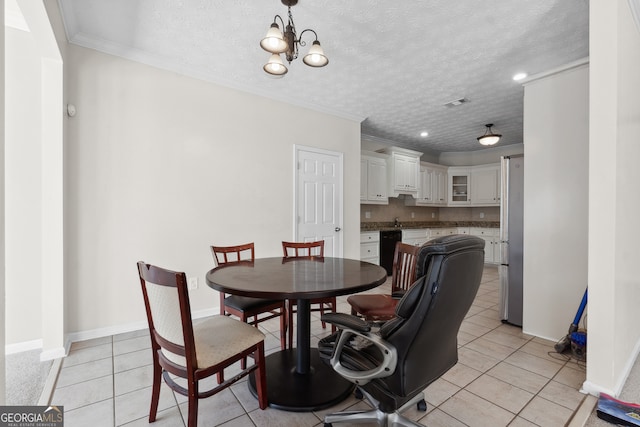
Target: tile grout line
{"type": "Point", "coordinates": [113, 381]}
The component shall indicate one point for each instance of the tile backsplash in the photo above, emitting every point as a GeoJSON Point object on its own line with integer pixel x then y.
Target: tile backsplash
{"type": "Point", "coordinates": [397, 209]}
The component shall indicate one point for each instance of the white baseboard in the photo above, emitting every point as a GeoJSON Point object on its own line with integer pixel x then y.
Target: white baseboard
{"type": "Point", "coordinates": [104, 332]}
{"type": "Point", "coordinates": [129, 327]}
{"type": "Point", "coordinates": [49, 354]}
{"type": "Point", "coordinates": [595, 389]}
{"type": "Point", "coordinates": [53, 353]}
{"type": "Point", "coordinates": [23, 346]}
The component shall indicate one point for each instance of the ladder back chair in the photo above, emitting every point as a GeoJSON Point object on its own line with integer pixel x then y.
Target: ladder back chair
{"type": "Point", "coordinates": [307, 250]}
{"type": "Point", "coordinates": [249, 310]}
{"type": "Point", "coordinates": [381, 307]}
{"type": "Point", "coordinates": [194, 351]}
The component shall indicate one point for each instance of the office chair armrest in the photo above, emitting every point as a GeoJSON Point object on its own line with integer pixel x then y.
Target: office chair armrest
{"type": "Point", "coordinates": [385, 369]}
{"type": "Point", "coordinates": [348, 321]}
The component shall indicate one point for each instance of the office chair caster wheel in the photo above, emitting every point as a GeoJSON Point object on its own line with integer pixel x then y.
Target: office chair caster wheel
{"type": "Point", "coordinates": [358, 394]}
{"type": "Point", "coordinates": [328, 425]}
{"type": "Point", "coordinates": [422, 406]}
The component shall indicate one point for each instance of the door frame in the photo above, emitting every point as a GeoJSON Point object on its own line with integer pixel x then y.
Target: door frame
{"type": "Point", "coordinates": [297, 148]}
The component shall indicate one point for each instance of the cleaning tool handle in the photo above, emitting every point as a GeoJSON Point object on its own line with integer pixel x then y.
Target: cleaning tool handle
{"type": "Point", "coordinates": [583, 304]}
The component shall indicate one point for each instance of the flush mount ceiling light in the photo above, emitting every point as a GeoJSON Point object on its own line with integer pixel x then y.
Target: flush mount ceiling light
{"type": "Point", "coordinates": [277, 42]}
{"type": "Point", "coordinates": [519, 76]}
{"type": "Point", "coordinates": [489, 138]}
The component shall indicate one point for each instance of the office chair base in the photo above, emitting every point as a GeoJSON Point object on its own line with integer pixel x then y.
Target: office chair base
{"type": "Point", "coordinates": [383, 419]}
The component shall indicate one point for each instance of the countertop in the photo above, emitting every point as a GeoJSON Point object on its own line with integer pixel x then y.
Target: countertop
{"type": "Point", "coordinates": [380, 226]}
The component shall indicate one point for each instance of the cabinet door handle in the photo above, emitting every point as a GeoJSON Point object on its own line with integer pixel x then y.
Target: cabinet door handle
{"type": "Point", "coordinates": [337, 229]}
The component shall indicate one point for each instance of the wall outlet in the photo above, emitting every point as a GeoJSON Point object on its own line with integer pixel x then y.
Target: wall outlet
{"type": "Point", "coordinates": [367, 215]}
{"type": "Point", "coordinates": [481, 215]}
{"type": "Point", "coordinates": [433, 214]}
{"type": "Point", "coordinates": [413, 214]}
{"type": "Point", "coordinates": [192, 283]}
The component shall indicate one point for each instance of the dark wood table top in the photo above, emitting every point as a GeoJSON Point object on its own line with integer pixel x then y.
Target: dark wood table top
{"type": "Point", "coordinates": [296, 278]}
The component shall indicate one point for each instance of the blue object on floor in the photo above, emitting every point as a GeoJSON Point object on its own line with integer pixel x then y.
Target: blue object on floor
{"type": "Point", "coordinates": [618, 412]}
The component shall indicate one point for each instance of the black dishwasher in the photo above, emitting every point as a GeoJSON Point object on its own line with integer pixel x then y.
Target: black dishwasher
{"type": "Point", "coordinates": [388, 240]}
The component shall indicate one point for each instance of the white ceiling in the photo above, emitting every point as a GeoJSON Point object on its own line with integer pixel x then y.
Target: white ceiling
{"type": "Point", "coordinates": [392, 64]}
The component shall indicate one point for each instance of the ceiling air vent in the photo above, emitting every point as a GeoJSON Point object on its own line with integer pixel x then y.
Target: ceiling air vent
{"type": "Point", "coordinates": [456, 102]}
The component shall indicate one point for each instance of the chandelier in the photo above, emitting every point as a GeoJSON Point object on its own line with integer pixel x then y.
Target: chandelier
{"type": "Point", "coordinates": [277, 42]}
{"type": "Point", "coordinates": [489, 138]}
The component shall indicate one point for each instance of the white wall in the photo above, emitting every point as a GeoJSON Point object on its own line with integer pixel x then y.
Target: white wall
{"type": "Point", "coordinates": [556, 150]}
{"type": "Point", "coordinates": [614, 283]}
{"type": "Point", "coordinates": [160, 166]}
{"type": "Point", "coordinates": [2, 205]}
{"type": "Point", "coordinates": [23, 188]}
{"type": "Point", "coordinates": [34, 184]}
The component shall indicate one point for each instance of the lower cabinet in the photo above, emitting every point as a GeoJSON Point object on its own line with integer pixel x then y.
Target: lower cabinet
{"type": "Point", "coordinates": [416, 237]}
{"type": "Point", "coordinates": [491, 237]}
{"type": "Point", "coordinates": [370, 241]}
{"type": "Point", "coordinates": [370, 247]}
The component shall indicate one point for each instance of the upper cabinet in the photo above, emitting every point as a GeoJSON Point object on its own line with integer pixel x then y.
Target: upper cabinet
{"type": "Point", "coordinates": [459, 186]}
{"type": "Point", "coordinates": [439, 185]}
{"type": "Point", "coordinates": [403, 171]}
{"type": "Point", "coordinates": [485, 185]}
{"type": "Point", "coordinates": [474, 186]}
{"type": "Point", "coordinates": [432, 188]}
{"type": "Point", "coordinates": [395, 171]}
{"type": "Point", "coordinates": [373, 180]}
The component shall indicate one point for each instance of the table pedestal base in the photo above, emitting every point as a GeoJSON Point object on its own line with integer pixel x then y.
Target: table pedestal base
{"type": "Point", "coordinates": [289, 391]}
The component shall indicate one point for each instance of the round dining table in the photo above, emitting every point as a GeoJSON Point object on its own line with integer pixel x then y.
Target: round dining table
{"type": "Point", "coordinates": [297, 380]}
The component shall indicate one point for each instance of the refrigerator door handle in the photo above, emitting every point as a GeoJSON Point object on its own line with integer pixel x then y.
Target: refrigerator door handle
{"type": "Point", "coordinates": [504, 252]}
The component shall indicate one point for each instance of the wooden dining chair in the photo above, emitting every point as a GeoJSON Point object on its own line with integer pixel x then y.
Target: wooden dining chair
{"type": "Point", "coordinates": [307, 250]}
{"type": "Point", "coordinates": [250, 310]}
{"type": "Point", "coordinates": [382, 307]}
{"type": "Point", "coordinates": [194, 351]}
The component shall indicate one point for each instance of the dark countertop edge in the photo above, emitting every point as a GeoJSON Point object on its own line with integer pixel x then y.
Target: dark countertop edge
{"type": "Point", "coordinates": [378, 226]}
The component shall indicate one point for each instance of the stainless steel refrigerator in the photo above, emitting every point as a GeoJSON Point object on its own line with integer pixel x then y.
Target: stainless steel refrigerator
{"type": "Point", "coordinates": [511, 237]}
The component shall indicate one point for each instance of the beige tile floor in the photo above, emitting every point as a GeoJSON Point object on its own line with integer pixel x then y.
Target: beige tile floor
{"type": "Point", "coordinates": [503, 378]}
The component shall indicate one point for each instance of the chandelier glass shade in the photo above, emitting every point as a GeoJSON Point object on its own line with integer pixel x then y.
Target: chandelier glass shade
{"type": "Point", "coordinates": [287, 42]}
{"type": "Point", "coordinates": [489, 138]}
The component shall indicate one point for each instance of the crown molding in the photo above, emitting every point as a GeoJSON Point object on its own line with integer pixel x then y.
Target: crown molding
{"type": "Point", "coordinates": [566, 67]}
{"type": "Point", "coordinates": [137, 55]}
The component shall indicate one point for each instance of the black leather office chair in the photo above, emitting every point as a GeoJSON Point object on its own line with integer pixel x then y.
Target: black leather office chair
{"type": "Point", "coordinates": [393, 365]}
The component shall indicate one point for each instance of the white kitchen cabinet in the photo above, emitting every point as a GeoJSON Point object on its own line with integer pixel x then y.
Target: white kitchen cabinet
{"type": "Point", "coordinates": [373, 180]}
{"type": "Point", "coordinates": [485, 185]}
{"type": "Point", "coordinates": [425, 190]}
{"type": "Point", "coordinates": [363, 179]}
{"type": "Point", "coordinates": [439, 186]}
{"type": "Point", "coordinates": [370, 247]}
{"type": "Point", "coordinates": [438, 232]}
{"type": "Point", "coordinates": [416, 237]}
{"type": "Point", "coordinates": [491, 237]}
{"type": "Point", "coordinates": [432, 188]}
{"type": "Point", "coordinates": [403, 169]}
{"type": "Point", "coordinates": [459, 186]}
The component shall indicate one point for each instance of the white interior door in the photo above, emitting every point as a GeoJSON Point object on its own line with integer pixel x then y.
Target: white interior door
{"type": "Point", "coordinates": [318, 198]}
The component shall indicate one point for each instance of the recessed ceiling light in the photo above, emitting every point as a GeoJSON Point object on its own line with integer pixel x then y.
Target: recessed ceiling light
{"type": "Point", "coordinates": [424, 134]}
{"type": "Point", "coordinates": [519, 76]}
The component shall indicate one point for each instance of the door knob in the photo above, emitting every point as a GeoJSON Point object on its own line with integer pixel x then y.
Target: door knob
{"type": "Point", "coordinates": [338, 229]}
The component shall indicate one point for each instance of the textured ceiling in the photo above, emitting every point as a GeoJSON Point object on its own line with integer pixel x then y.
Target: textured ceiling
{"type": "Point", "coordinates": [392, 64]}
